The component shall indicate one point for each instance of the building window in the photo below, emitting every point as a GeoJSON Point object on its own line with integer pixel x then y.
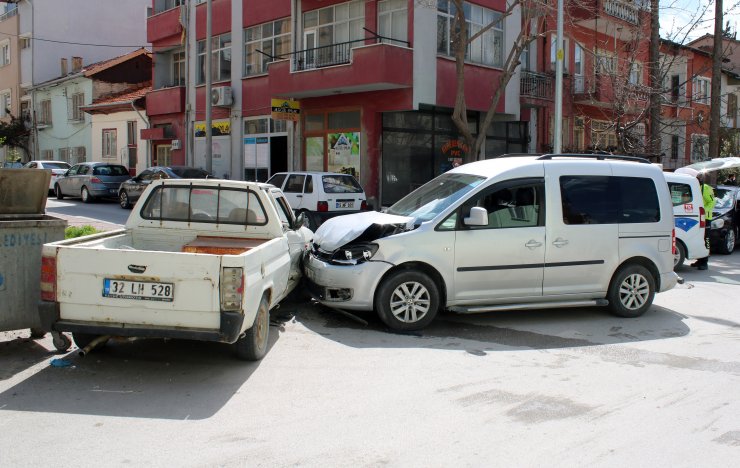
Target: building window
{"type": "Point", "coordinates": [64, 154]}
{"type": "Point", "coordinates": [605, 63]}
{"type": "Point", "coordinates": [603, 135]}
{"type": "Point", "coordinates": [164, 155]}
{"type": "Point", "coordinates": [178, 68]}
{"type": "Point", "coordinates": [731, 106]}
{"type": "Point", "coordinates": [76, 101]}
{"type": "Point", "coordinates": [553, 52]}
{"type": "Point", "coordinates": [220, 59]}
{"type": "Point", "coordinates": [5, 104]}
{"type": "Point", "coordinates": [109, 143]}
{"type": "Point", "coordinates": [164, 5]}
{"type": "Point", "coordinates": [635, 76]}
{"type": "Point", "coordinates": [393, 20]}
{"type": "Point", "coordinates": [45, 112]}
{"type": "Point", "coordinates": [702, 90]}
{"type": "Point", "coordinates": [335, 24]}
{"type": "Point", "coordinates": [674, 146]}
{"type": "Point", "coordinates": [24, 42]}
{"type": "Point", "coordinates": [131, 133]}
{"type": "Point", "coordinates": [487, 49]}
{"type": "Point", "coordinates": [272, 39]}
{"type": "Point", "coordinates": [4, 53]}
{"type": "Point", "coordinates": [47, 154]}
{"type": "Point", "coordinates": [699, 147]}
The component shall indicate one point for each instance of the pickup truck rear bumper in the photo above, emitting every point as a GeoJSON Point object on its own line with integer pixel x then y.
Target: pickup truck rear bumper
{"type": "Point", "coordinates": [231, 325]}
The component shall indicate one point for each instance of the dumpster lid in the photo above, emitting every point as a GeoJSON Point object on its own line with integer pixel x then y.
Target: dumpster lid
{"type": "Point", "coordinates": [23, 191]}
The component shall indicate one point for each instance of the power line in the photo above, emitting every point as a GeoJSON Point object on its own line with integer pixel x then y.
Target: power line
{"type": "Point", "coordinates": [73, 43]}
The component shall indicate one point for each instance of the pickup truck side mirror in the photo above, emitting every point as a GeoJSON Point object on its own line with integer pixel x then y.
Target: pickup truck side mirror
{"type": "Point", "coordinates": [300, 221]}
{"type": "Point", "coordinates": [478, 217]}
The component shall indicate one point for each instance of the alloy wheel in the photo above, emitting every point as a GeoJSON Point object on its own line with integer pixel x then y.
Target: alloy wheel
{"type": "Point", "coordinates": [410, 302]}
{"type": "Point", "coordinates": [634, 291]}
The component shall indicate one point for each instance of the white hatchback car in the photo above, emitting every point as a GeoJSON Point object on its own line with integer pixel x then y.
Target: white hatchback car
{"type": "Point", "coordinates": [690, 217]}
{"type": "Point", "coordinates": [57, 168]}
{"type": "Point", "coordinates": [509, 233]}
{"type": "Point", "coordinates": [321, 195]}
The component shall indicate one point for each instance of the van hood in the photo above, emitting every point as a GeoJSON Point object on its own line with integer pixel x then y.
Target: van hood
{"type": "Point", "coordinates": [367, 226]}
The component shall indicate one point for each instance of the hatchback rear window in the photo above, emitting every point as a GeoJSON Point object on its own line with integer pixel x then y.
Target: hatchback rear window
{"type": "Point", "coordinates": [110, 171]}
{"type": "Point", "coordinates": [340, 184]}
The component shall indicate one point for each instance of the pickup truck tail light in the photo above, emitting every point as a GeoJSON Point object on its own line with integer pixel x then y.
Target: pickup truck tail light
{"type": "Point", "coordinates": [322, 206]}
{"type": "Point", "coordinates": [363, 205]}
{"type": "Point", "coordinates": [49, 279]}
{"type": "Point", "coordinates": [702, 217]}
{"type": "Point", "coordinates": [232, 288]}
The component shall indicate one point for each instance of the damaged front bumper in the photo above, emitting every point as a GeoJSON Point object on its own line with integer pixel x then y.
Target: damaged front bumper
{"type": "Point", "coordinates": [349, 287]}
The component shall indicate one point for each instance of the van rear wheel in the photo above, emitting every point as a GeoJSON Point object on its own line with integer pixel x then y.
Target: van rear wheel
{"type": "Point", "coordinates": [631, 291]}
{"type": "Point", "coordinates": [253, 345]}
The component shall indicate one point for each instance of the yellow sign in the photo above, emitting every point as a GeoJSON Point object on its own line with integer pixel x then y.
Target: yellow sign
{"type": "Point", "coordinates": [220, 127]}
{"type": "Point", "coordinates": [284, 109]}
{"type": "Point", "coordinates": [560, 54]}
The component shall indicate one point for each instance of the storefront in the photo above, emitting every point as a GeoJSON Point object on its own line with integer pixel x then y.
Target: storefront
{"type": "Point", "coordinates": [420, 145]}
{"type": "Point", "coordinates": [332, 141]}
{"type": "Point", "coordinates": [265, 147]}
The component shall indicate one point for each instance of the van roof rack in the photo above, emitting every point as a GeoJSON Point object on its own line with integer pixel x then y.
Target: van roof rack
{"type": "Point", "coordinates": [598, 156]}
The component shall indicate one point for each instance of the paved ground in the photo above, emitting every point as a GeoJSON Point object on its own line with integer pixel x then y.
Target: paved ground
{"type": "Point", "coordinates": [536, 388]}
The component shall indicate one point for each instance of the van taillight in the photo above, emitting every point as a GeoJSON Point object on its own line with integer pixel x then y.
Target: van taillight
{"type": "Point", "coordinates": [49, 279]}
{"type": "Point", "coordinates": [322, 206]}
{"type": "Point", "coordinates": [673, 241]}
{"type": "Point", "coordinates": [702, 217]}
{"type": "Point", "coordinates": [232, 288]}
{"type": "Point", "coordinates": [363, 205]}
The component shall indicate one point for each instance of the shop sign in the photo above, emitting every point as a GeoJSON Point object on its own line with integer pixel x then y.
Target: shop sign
{"type": "Point", "coordinates": [219, 128]}
{"type": "Point", "coordinates": [344, 153]}
{"type": "Point", "coordinates": [284, 109]}
{"type": "Point", "coordinates": [455, 151]}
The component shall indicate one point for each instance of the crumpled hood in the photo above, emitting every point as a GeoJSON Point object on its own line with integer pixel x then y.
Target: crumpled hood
{"type": "Point", "coordinates": [369, 225]}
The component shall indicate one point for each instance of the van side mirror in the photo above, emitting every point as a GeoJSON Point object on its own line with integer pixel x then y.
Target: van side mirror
{"type": "Point", "coordinates": [478, 217]}
{"type": "Point", "coordinates": [300, 221]}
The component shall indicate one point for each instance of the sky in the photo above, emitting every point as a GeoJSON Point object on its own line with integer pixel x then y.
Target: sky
{"type": "Point", "coordinates": [677, 16]}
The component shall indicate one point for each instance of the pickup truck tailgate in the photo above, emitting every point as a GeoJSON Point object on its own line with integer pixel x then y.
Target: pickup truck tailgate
{"type": "Point", "coordinates": [138, 287]}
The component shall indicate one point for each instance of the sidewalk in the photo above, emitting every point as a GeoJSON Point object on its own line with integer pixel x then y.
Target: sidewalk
{"type": "Point", "coordinates": [83, 221]}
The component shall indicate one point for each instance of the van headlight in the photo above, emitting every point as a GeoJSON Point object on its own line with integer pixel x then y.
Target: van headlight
{"type": "Point", "coordinates": [354, 254]}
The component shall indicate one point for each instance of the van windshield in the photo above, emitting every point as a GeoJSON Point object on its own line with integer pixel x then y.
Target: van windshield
{"type": "Point", "coordinates": [429, 200]}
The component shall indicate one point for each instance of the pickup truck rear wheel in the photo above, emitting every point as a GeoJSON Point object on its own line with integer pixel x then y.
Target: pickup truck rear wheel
{"type": "Point", "coordinates": [407, 300]}
{"type": "Point", "coordinates": [253, 345]}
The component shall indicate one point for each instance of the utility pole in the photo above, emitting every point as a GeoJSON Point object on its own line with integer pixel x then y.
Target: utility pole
{"type": "Point", "coordinates": [209, 88]}
{"type": "Point", "coordinates": [714, 111]}
{"type": "Point", "coordinates": [656, 82]}
{"type": "Point", "coordinates": [559, 56]}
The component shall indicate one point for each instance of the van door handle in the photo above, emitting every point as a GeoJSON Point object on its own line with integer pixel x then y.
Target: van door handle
{"type": "Point", "coordinates": [299, 196]}
{"type": "Point", "coordinates": [559, 242]}
{"type": "Point", "coordinates": [533, 244]}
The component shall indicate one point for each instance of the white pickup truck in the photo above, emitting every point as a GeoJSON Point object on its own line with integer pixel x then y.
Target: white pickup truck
{"type": "Point", "coordinates": [198, 259]}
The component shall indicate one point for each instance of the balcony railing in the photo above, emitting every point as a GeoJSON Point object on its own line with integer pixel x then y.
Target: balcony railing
{"type": "Point", "coordinates": [535, 85]}
{"type": "Point", "coordinates": [330, 55]}
{"type": "Point", "coordinates": [9, 14]}
{"type": "Point", "coordinates": [622, 10]}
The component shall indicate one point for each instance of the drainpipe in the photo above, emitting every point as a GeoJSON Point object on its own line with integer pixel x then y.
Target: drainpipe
{"type": "Point", "coordinates": [146, 122]}
{"type": "Point", "coordinates": [35, 148]}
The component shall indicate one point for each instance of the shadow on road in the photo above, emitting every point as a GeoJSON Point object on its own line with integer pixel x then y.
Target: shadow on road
{"type": "Point", "coordinates": [533, 329]}
{"type": "Point", "coordinates": [19, 354]}
{"type": "Point", "coordinates": [161, 379]}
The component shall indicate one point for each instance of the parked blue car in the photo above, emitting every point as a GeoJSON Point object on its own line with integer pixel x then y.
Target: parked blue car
{"type": "Point", "coordinates": [91, 180]}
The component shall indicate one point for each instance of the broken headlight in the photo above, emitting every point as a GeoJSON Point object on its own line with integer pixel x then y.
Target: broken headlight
{"type": "Point", "coordinates": [354, 253]}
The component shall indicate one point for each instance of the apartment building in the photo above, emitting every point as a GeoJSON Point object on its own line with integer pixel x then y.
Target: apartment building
{"type": "Point", "coordinates": [362, 87]}
{"type": "Point", "coordinates": [9, 70]}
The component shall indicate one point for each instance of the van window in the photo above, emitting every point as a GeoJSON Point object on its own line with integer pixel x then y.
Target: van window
{"type": "Point", "coordinates": [680, 193]}
{"type": "Point", "coordinates": [511, 207]}
{"type": "Point", "coordinates": [609, 200]}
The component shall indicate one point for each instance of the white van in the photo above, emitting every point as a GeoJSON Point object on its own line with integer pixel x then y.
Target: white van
{"type": "Point", "coordinates": [689, 216]}
{"type": "Point", "coordinates": [503, 234]}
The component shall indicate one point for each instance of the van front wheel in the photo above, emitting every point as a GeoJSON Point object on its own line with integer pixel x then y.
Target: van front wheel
{"type": "Point", "coordinates": [407, 300]}
{"type": "Point", "coordinates": [631, 291]}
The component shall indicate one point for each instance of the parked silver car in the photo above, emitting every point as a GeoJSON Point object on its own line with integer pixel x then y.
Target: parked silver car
{"type": "Point", "coordinates": [57, 168]}
{"type": "Point", "coordinates": [91, 180]}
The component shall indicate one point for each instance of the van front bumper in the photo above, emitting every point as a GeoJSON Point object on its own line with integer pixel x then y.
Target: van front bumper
{"type": "Point", "coordinates": [344, 286]}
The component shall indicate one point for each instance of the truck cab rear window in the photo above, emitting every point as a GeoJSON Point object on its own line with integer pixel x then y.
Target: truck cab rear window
{"type": "Point", "coordinates": [204, 205]}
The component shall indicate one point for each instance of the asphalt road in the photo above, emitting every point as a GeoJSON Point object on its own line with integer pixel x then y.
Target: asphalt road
{"type": "Point", "coordinates": [106, 211]}
{"type": "Point", "coordinates": [550, 388]}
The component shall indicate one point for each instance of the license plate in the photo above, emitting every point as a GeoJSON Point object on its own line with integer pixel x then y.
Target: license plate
{"type": "Point", "coordinates": [345, 204]}
{"type": "Point", "coordinates": [138, 290]}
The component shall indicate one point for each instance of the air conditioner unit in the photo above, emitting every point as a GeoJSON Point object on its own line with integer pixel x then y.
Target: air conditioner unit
{"type": "Point", "coordinates": [175, 144]}
{"type": "Point", "coordinates": [221, 96]}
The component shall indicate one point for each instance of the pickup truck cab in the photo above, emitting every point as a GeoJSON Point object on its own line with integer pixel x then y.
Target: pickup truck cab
{"type": "Point", "coordinates": [197, 259]}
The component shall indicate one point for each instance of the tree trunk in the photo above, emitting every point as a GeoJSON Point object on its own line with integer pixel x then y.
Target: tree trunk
{"type": "Point", "coordinates": [656, 84]}
{"type": "Point", "coordinates": [714, 113]}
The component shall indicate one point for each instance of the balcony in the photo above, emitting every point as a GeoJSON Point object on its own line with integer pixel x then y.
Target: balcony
{"type": "Point", "coordinates": [534, 85]}
{"type": "Point", "coordinates": [341, 68]}
{"type": "Point", "coordinates": [164, 25]}
{"type": "Point", "coordinates": [165, 101]}
{"type": "Point", "coordinates": [616, 18]}
{"type": "Point", "coordinates": [9, 14]}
